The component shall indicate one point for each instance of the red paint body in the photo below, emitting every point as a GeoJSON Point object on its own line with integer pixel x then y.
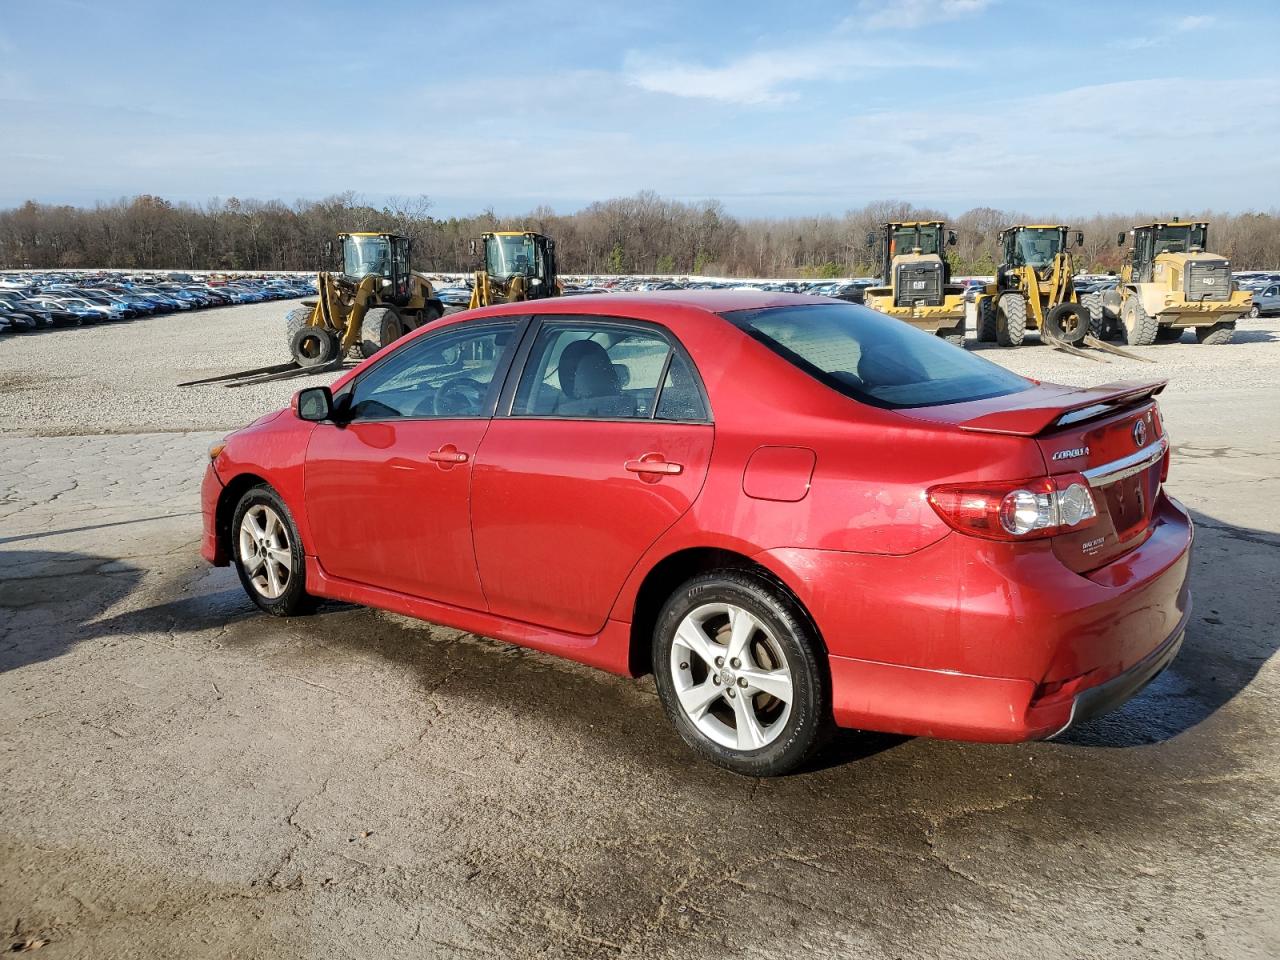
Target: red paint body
{"type": "Point", "coordinates": [545, 535]}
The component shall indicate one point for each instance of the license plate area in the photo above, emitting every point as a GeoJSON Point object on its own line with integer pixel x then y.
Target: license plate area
{"type": "Point", "coordinates": [1130, 501]}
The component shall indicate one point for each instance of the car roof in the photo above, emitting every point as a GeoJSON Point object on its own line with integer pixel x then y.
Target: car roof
{"type": "Point", "coordinates": [641, 303]}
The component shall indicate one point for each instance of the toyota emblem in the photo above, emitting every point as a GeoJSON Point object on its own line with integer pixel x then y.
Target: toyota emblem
{"type": "Point", "coordinates": [1140, 433]}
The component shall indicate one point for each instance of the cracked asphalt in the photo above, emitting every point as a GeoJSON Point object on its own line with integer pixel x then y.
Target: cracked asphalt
{"type": "Point", "coordinates": [181, 777]}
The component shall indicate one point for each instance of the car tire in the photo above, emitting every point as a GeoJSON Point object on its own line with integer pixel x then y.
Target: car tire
{"type": "Point", "coordinates": [268, 554]}
{"type": "Point", "coordinates": [314, 346]}
{"type": "Point", "coordinates": [1254, 312]}
{"type": "Point", "coordinates": [1069, 322]}
{"type": "Point", "coordinates": [986, 322]}
{"type": "Point", "coordinates": [1138, 326]}
{"type": "Point", "coordinates": [715, 706]}
{"type": "Point", "coordinates": [1217, 334]}
{"type": "Point", "coordinates": [295, 320]}
{"type": "Point", "coordinates": [1011, 320]}
{"type": "Point", "coordinates": [380, 328]}
{"type": "Point", "coordinates": [1092, 303]}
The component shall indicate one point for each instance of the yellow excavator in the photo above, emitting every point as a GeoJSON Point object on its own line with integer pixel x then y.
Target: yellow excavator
{"type": "Point", "coordinates": [374, 300]}
{"type": "Point", "coordinates": [1170, 283]}
{"type": "Point", "coordinates": [917, 286]}
{"type": "Point", "coordinates": [1034, 289]}
{"type": "Point", "coordinates": [517, 265]}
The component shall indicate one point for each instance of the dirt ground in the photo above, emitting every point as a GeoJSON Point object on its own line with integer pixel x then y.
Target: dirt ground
{"type": "Point", "coordinates": [181, 777]}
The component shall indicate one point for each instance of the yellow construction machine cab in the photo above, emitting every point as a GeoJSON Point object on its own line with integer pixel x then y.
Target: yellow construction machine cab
{"type": "Point", "coordinates": [1033, 245]}
{"type": "Point", "coordinates": [384, 255]}
{"type": "Point", "coordinates": [517, 265]}
{"type": "Point", "coordinates": [916, 248]}
{"type": "Point", "coordinates": [1180, 241]}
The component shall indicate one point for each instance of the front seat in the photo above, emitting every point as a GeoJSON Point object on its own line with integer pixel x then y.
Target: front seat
{"type": "Point", "coordinates": [590, 383]}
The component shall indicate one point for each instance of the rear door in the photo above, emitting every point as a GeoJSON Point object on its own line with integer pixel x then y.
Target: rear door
{"type": "Point", "coordinates": [604, 446]}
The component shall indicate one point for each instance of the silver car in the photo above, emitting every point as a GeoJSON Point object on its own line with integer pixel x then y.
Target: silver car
{"type": "Point", "coordinates": [1266, 300]}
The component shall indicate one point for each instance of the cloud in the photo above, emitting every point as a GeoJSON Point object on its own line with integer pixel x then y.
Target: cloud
{"type": "Point", "coordinates": [1170, 32]}
{"type": "Point", "coordinates": [1194, 22]}
{"type": "Point", "coordinates": [910, 14]}
{"type": "Point", "coordinates": [766, 76]}
{"type": "Point", "coordinates": [752, 79]}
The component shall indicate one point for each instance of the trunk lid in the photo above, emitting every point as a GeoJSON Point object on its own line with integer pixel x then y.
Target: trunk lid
{"type": "Point", "coordinates": [1112, 435]}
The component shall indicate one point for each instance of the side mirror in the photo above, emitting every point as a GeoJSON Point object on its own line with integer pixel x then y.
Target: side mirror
{"type": "Point", "coordinates": [313, 404]}
{"type": "Point", "coordinates": [951, 238]}
{"type": "Point", "coordinates": [535, 282]}
{"type": "Point", "coordinates": [473, 249]}
{"type": "Point", "coordinates": [1079, 238]}
{"type": "Point", "coordinates": [1120, 239]}
{"type": "Point", "coordinates": [328, 249]}
{"type": "Point", "coordinates": [871, 238]}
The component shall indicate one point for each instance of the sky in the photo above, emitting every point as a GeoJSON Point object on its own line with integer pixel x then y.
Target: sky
{"type": "Point", "coordinates": [1067, 108]}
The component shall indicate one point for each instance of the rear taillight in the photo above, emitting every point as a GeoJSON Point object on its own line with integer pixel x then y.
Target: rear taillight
{"type": "Point", "coordinates": [1017, 509]}
{"type": "Point", "coordinates": [1164, 463]}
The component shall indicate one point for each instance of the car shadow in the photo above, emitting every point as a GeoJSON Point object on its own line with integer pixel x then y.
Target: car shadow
{"type": "Point", "coordinates": [60, 596]}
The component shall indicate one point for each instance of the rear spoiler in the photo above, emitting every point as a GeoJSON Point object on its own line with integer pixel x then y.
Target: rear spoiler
{"type": "Point", "coordinates": [1043, 409]}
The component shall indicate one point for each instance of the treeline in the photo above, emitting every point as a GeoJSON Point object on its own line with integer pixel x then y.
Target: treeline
{"type": "Point", "coordinates": [644, 234]}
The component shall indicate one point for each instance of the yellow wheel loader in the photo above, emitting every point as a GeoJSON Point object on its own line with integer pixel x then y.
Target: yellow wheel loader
{"type": "Point", "coordinates": [917, 286]}
{"type": "Point", "coordinates": [517, 265]}
{"type": "Point", "coordinates": [1033, 289]}
{"type": "Point", "coordinates": [1170, 284]}
{"type": "Point", "coordinates": [371, 302]}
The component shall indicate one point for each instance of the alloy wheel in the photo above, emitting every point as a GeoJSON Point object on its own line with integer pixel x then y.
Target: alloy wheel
{"type": "Point", "coordinates": [265, 551]}
{"type": "Point", "coordinates": [731, 676]}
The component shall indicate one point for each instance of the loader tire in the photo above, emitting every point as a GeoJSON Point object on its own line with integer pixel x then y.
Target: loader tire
{"type": "Point", "coordinates": [1169, 334]}
{"type": "Point", "coordinates": [381, 327]}
{"type": "Point", "coordinates": [294, 321]}
{"type": "Point", "coordinates": [1138, 326]}
{"type": "Point", "coordinates": [1092, 302]}
{"type": "Point", "coordinates": [1011, 320]}
{"type": "Point", "coordinates": [1217, 334]}
{"type": "Point", "coordinates": [1068, 322]}
{"type": "Point", "coordinates": [986, 320]}
{"type": "Point", "coordinates": [314, 346]}
{"type": "Point", "coordinates": [953, 337]}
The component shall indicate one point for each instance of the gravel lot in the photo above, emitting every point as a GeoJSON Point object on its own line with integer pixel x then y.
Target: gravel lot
{"type": "Point", "coordinates": [181, 777]}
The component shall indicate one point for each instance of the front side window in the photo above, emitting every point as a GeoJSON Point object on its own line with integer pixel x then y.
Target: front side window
{"type": "Point", "coordinates": [874, 358]}
{"type": "Point", "coordinates": [452, 374]}
{"type": "Point", "coordinates": [589, 370]}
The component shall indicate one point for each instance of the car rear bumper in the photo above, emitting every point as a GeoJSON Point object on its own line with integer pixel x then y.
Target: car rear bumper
{"type": "Point", "coordinates": [972, 641]}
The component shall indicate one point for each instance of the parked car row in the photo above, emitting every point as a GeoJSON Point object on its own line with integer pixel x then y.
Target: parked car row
{"type": "Point", "coordinates": [35, 301]}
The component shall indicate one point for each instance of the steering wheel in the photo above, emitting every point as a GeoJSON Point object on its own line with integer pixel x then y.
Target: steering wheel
{"type": "Point", "coordinates": [461, 395]}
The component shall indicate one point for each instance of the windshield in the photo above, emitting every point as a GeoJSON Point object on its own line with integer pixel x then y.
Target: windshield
{"type": "Point", "coordinates": [874, 358]}
{"type": "Point", "coordinates": [1036, 248]}
{"type": "Point", "coordinates": [511, 257]}
{"type": "Point", "coordinates": [905, 239]}
{"type": "Point", "coordinates": [1178, 239]}
{"type": "Point", "coordinates": [362, 256]}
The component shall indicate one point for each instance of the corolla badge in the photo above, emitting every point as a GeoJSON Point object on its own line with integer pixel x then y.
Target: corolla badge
{"type": "Point", "coordinates": [1072, 453]}
{"type": "Point", "coordinates": [1140, 433]}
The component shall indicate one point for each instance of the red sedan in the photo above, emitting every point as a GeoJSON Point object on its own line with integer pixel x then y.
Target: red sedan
{"type": "Point", "coordinates": [796, 512]}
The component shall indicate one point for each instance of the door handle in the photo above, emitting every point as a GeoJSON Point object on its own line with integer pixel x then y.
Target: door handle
{"type": "Point", "coordinates": [658, 467]}
{"type": "Point", "coordinates": [447, 454]}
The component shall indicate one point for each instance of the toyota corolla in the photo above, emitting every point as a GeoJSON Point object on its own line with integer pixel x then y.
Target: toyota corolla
{"type": "Point", "coordinates": [795, 512]}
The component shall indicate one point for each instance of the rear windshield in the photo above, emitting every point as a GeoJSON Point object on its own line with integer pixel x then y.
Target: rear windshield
{"type": "Point", "coordinates": [874, 358]}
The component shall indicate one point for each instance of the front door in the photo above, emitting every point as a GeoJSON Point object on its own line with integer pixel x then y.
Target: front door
{"type": "Point", "coordinates": [606, 446]}
{"type": "Point", "coordinates": [387, 487]}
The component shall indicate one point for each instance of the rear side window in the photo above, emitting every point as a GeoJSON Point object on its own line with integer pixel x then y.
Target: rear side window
{"type": "Point", "coordinates": [874, 358]}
